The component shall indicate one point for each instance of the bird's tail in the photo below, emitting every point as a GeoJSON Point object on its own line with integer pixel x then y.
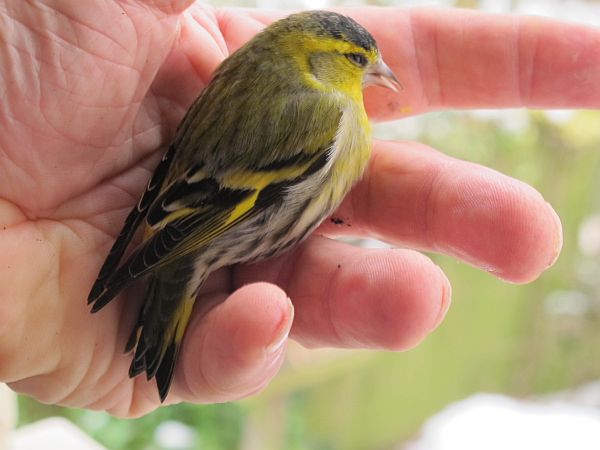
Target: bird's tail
{"type": "Point", "coordinates": [160, 328]}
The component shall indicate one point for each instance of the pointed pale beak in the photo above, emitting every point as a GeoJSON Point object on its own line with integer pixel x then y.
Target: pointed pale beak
{"type": "Point", "coordinates": [380, 74]}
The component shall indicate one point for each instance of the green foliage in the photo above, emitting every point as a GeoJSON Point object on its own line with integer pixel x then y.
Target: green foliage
{"type": "Point", "coordinates": [218, 427]}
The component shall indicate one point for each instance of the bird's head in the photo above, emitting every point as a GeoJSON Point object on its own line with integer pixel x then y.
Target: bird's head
{"type": "Point", "coordinates": [334, 52]}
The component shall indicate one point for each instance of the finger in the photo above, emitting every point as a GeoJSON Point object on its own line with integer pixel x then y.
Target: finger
{"type": "Point", "coordinates": [413, 195]}
{"type": "Point", "coordinates": [351, 297]}
{"type": "Point", "coordinates": [466, 59]}
{"type": "Point", "coordinates": [236, 348]}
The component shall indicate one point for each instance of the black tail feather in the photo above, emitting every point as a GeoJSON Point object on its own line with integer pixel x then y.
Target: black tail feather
{"type": "Point", "coordinates": [158, 333]}
{"type": "Point", "coordinates": [161, 367]}
{"type": "Point", "coordinates": [166, 370]}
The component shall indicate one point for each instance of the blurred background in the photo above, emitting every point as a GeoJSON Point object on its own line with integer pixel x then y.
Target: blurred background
{"type": "Point", "coordinates": [538, 343]}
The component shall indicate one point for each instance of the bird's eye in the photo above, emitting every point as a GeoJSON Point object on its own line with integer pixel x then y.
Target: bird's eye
{"type": "Point", "coordinates": [357, 58]}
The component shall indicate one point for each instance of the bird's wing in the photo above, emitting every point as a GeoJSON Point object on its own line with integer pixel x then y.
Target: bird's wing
{"type": "Point", "coordinates": [131, 224]}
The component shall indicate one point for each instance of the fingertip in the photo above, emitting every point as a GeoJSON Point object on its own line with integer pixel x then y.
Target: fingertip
{"type": "Point", "coordinates": [536, 244]}
{"type": "Point", "coordinates": [494, 222]}
{"type": "Point", "coordinates": [261, 315]}
{"type": "Point", "coordinates": [238, 347]}
{"type": "Point", "coordinates": [544, 252]}
{"type": "Point", "coordinates": [390, 299]}
{"type": "Point", "coordinates": [422, 302]}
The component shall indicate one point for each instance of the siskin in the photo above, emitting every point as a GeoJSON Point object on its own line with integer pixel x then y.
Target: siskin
{"type": "Point", "coordinates": [265, 153]}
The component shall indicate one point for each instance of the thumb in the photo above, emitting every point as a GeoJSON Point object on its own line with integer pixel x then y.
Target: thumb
{"type": "Point", "coordinates": [238, 347]}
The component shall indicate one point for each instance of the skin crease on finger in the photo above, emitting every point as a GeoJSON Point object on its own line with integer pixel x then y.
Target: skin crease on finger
{"type": "Point", "coordinates": [403, 179]}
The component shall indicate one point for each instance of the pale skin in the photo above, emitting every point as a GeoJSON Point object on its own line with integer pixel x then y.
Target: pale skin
{"type": "Point", "coordinates": [92, 91]}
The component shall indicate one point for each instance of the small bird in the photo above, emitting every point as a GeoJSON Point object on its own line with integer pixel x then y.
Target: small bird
{"type": "Point", "coordinates": [266, 152]}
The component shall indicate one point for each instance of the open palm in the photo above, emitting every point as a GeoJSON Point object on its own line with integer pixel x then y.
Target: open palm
{"type": "Point", "coordinates": [91, 93]}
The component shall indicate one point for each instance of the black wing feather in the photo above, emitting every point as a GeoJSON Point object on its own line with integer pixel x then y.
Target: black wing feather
{"type": "Point", "coordinates": [132, 222]}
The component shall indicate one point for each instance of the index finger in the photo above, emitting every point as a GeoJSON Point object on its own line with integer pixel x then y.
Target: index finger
{"type": "Point", "coordinates": [455, 58]}
{"type": "Point", "coordinates": [464, 59]}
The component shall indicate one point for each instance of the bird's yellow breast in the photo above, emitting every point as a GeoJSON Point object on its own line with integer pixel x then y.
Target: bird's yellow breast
{"type": "Point", "coordinates": [352, 150]}
{"type": "Point", "coordinates": [349, 158]}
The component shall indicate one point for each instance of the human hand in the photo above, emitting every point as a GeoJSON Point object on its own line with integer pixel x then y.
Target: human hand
{"type": "Point", "coordinates": [91, 91]}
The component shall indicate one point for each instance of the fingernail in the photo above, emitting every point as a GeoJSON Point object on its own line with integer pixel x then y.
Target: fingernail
{"type": "Point", "coordinates": [445, 301]}
{"type": "Point", "coordinates": [559, 235]}
{"type": "Point", "coordinates": [284, 330]}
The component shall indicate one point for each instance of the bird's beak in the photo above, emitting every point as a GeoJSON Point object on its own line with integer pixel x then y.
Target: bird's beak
{"type": "Point", "coordinates": [381, 75]}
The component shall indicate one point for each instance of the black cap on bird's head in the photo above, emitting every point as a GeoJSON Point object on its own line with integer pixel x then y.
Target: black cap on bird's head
{"type": "Point", "coordinates": [338, 26]}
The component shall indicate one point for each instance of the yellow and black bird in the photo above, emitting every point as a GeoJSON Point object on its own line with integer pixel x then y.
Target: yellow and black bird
{"type": "Point", "coordinates": [265, 153]}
